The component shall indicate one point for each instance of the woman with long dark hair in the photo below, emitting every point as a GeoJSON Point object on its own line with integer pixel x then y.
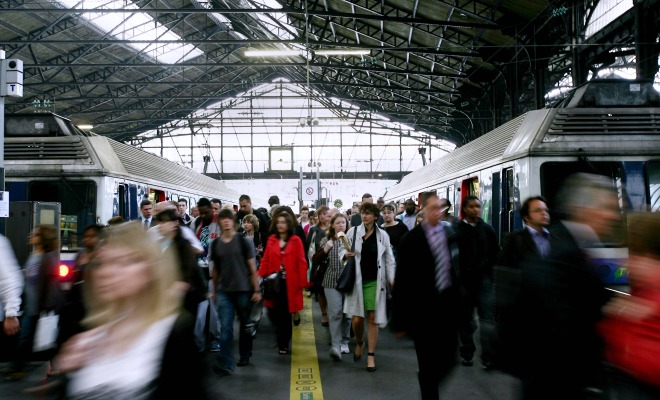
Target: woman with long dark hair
{"type": "Point", "coordinates": [42, 292]}
{"type": "Point", "coordinates": [285, 255]}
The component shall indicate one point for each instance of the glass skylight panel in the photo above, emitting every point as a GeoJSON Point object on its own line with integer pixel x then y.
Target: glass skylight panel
{"type": "Point", "coordinates": [607, 11]}
{"type": "Point", "coordinates": [285, 31]}
{"type": "Point", "coordinates": [137, 26]}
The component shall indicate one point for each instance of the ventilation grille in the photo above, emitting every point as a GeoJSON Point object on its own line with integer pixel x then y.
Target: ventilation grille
{"type": "Point", "coordinates": [64, 148]}
{"type": "Point", "coordinates": [604, 122]}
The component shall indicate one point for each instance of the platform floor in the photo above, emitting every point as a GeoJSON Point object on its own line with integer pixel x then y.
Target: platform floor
{"type": "Point", "coordinates": [308, 373]}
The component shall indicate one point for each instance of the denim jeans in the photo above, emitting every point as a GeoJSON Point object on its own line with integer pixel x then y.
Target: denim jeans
{"type": "Point", "coordinates": [230, 304]}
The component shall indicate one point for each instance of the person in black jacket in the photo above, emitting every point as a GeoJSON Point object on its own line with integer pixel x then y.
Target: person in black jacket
{"type": "Point", "coordinates": [478, 253]}
{"type": "Point", "coordinates": [426, 286]}
{"type": "Point", "coordinates": [532, 242]}
{"type": "Point", "coordinates": [562, 295]}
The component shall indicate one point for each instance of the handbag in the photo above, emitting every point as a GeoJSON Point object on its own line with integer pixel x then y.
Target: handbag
{"type": "Point", "coordinates": [271, 285]}
{"type": "Point", "coordinates": [318, 272]}
{"type": "Point", "coordinates": [45, 336]}
{"type": "Point", "coordinates": [319, 267]}
{"type": "Point", "coordinates": [346, 280]}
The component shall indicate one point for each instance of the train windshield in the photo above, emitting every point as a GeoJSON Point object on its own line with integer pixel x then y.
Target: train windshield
{"type": "Point", "coordinates": [553, 175]}
{"type": "Point", "coordinates": [78, 206]}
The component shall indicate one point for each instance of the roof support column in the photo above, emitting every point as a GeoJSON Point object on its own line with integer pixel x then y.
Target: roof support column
{"type": "Point", "coordinates": [646, 32]}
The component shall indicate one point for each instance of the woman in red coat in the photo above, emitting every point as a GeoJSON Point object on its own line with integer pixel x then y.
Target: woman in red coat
{"type": "Point", "coordinates": [285, 252]}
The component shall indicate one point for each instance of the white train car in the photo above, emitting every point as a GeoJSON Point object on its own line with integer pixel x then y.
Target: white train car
{"type": "Point", "coordinates": [48, 159]}
{"type": "Point", "coordinates": [607, 127]}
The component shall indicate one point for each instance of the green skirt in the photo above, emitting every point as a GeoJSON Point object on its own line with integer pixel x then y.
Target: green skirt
{"type": "Point", "coordinates": [369, 295]}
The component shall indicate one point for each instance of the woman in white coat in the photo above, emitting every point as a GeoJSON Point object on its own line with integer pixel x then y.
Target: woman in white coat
{"type": "Point", "coordinates": [374, 276]}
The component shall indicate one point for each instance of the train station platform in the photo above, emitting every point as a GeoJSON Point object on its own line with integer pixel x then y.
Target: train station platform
{"type": "Point", "coordinates": [308, 372]}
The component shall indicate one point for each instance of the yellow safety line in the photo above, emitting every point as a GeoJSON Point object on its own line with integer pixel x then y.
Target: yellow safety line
{"type": "Point", "coordinates": [305, 372]}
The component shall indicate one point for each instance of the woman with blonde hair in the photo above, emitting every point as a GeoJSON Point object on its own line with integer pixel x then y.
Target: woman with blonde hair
{"type": "Point", "coordinates": [251, 230]}
{"type": "Point", "coordinates": [140, 342]}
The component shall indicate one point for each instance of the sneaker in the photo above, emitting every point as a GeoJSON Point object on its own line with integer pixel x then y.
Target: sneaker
{"type": "Point", "coordinates": [344, 348]}
{"type": "Point", "coordinates": [215, 347]}
{"type": "Point", "coordinates": [466, 362]}
{"type": "Point", "coordinates": [243, 361]}
{"type": "Point", "coordinates": [486, 365]}
{"type": "Point", "coordinates": [335, 354]}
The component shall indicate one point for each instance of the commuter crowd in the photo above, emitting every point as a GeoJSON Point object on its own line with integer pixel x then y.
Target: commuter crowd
{"type": "Point", "coordinates": [151, 297]}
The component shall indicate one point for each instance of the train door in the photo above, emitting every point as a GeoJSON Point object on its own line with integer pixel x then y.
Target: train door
{"type": "Point", "coordinates": [496, 195]}
{"type": "Point", "coordinates": [156, 196]}
{"type": "Point", "coordinates": [507, 205]}
{"type": "Point", "coordinates": [469, 187]}
{"type": "Point", "coordinates": [132, 202]}
{"type": "Point", "coordinates": [122, 207]}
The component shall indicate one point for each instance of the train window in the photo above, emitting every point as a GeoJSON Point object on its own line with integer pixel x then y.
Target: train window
{"type": "Point", "coordinates": [653, 173]}
{"type": "Point", "coordinates": [78, 206]}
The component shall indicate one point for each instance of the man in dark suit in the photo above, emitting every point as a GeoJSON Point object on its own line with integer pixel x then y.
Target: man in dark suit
{"type": "Point", "coordinates": [478, 252]}
{"type": "Point", "coordinates": [562, 295]}
{"type": "Point", "coordinates": [532, 239]}
{"type": "Point", "coordinates": [426, 288]}
{"type": "Point", "coordinates": [146, 219]}
{"type": "Point", "coordinates": [530, 242]}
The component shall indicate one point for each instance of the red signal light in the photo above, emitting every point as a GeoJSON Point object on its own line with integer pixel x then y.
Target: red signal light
{"type": "Point", "coordinates": [64, 270]}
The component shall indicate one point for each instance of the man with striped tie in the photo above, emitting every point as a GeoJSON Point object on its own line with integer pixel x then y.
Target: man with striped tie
{"type": "Point", "coordinates": [426, 292]}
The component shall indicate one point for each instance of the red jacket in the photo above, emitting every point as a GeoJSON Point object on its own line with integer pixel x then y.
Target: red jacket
{"type": "Point", "coordinates": [295, 265]}
{"type": "Point", "coordinates": [634, 346]}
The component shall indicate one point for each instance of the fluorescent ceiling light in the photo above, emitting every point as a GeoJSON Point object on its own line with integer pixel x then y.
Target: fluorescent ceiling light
{"type": "Point", "coordinates": [271, 53]}
{"type": "Point", "coordinates": [85, 127]}
{"type": "Point", "coordinates": [346, 52]}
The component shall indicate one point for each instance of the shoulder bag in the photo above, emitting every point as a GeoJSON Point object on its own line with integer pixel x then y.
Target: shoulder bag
{"type": "Point", "coordinates": [346, 280]}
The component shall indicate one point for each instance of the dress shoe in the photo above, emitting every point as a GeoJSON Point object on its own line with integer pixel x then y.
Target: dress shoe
{"type": "Point", "coordinates": [243, 361]}
{"type": "Point", "coordinates": [467, 363]}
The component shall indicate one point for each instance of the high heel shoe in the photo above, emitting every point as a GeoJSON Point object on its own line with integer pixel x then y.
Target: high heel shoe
{"type": "Point", "coordinates": [371, 369]}
{"type": "Point", "coordinates": [356, 356]}
{"type": "Point", "coordinates": [324, 323]}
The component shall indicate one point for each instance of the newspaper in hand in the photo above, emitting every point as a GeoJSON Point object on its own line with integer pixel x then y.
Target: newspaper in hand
{"type": "Point", "coordinates": [344, 240]}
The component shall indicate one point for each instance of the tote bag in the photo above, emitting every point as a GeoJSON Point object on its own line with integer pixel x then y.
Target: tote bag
{"type": "Point", "coordinates": [346, 280]}
{"type": "Point", "coordinates": [45, 336]}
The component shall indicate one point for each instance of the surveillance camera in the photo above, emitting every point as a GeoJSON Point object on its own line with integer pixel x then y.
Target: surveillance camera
{"type": "Point", "coordinates": [303, 122]}
{"type": "Point", "coordinates": [314, 122]}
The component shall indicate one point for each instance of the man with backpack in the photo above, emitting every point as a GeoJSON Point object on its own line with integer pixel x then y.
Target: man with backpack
{"type": "Point", "coordinates": [235, 290]}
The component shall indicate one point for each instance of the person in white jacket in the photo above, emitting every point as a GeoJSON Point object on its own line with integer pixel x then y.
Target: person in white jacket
{"type": "Point", "coordinates": [11, 287]}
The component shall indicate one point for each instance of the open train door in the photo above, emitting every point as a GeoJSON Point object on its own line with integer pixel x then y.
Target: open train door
{"type": "Point", "coordinates": [469, 187]}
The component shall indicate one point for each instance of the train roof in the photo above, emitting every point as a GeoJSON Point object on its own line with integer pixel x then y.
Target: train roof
{"type": "Point", "coordinates": [588, 121]}
{"type": "Point", "coordinates": [59, 148]}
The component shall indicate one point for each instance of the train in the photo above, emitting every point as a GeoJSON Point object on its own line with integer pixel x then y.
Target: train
{"type": "Point", "coordinates": [49, 159]}
{"type": "Point", "coordinates": [609, 127]}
